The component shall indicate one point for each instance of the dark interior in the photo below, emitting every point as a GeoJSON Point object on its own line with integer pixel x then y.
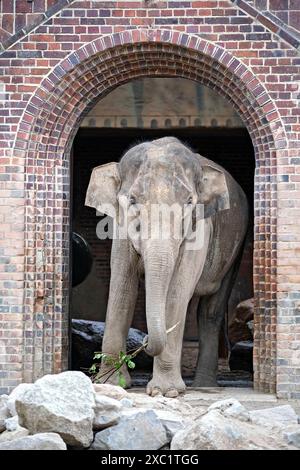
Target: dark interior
{"type": "Point", "coordinates": [231, 148]}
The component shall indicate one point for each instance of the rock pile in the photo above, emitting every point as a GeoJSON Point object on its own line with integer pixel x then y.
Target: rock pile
{"type": "Point", "coordinates": [66, 411]}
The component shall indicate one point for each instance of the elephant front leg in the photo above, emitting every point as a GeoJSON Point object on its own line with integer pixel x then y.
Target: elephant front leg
{"type": "Point", "coordinates": [167, 379]}
{"type": "Point", "coordinates": [121, 303]}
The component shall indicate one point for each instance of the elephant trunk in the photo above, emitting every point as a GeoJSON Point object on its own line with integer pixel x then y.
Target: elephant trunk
{"type": "Point", "coordinates": [159, 265]}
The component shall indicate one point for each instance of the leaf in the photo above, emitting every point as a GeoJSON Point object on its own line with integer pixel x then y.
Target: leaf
{"type": "Point", "coordinates": [131, 364]}
{"type": "Point", "coordinates": [122, 356]}
{"type": "Point", "coordinates": [121, 380]}
{"type": "Point", "coordinates": [93, 368]}
{"type": "Point", "coordinates": [99, 356]}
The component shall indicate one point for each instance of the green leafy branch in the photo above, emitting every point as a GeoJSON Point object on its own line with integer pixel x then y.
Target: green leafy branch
{"type": "Point", "coordinates": [114, 363]}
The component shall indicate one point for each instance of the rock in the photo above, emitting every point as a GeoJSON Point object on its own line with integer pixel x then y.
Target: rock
{"type": "Point", "coordinates": [293, 438]}
{"type": "Point", "coordinates": [238, 329]}
{"type": "Point", "coordinates": [112, 391]}
{"type": "Point", "coordinates": [107, 412]}
{"type": "Point", "coordinates": [142, 400]}
{"type": "Point", "coordinates": [172, 422]}
{"type": "Point", "coordinates": [43, 441]}
{"type": "Point", "coordinates": [63, 404]}
{"type": "Point", "coordinates": [250, 325]}
{"type": "Point", "coordinates": [283, 415]}
{"type": "Point", "coordinates": [4, 411]}
{"type": "Point", "coordinates": [214, 431]}
{"type": "Point", "coordinates": [139, 430]}
{"type": "Point", "coordinates": [17, 393]}
{"type": "Point", "coordinates": [11, 424]}
{"type": "Point", "coordinates": [231, 408]}
{"type": "Point", "coordinates": [241, 356]}
{"type": "Point", "coordinates": [126, 402]}
{"type": "Point", "coordinates": [87, 338]}
{"type": "Point", "coordinates": [17, 433]}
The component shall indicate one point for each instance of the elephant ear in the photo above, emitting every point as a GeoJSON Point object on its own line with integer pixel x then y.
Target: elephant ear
{"type": "Point", "coordinates": [212, 190]}
{"type": "Point", "coordinates": [103, 189]}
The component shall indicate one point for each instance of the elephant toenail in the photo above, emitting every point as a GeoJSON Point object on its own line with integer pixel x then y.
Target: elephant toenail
{"type": "Point", "coordinates": [156, 391]}
{"type": "Point", "coordinates": [171, 393]}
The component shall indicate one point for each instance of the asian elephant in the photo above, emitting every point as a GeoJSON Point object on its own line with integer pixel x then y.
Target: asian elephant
{"type": "Point", "coordinates": [167, 172]}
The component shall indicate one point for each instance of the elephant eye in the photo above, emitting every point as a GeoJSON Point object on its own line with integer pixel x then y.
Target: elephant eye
{"type": "Point", "coordinates": [190, 200]}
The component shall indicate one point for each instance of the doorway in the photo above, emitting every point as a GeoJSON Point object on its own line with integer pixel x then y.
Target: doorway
{"type": "Point", "coordinates": [204, 121]}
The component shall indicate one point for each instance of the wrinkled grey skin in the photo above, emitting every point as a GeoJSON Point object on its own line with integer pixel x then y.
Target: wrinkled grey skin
{"type": "Point", "coordinates": [166, 171]}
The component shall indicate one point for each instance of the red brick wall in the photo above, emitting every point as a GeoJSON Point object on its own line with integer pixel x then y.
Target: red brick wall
{"type": "Point", "coordinates": [50, 78]}
{"type": "Point", "coordinates": [287, 11]}
{"type": "Point", "coordinates": [18, 17]}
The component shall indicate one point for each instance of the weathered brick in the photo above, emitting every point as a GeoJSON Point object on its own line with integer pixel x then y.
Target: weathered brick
{"type": "Point", "coordinates": [52, 74]}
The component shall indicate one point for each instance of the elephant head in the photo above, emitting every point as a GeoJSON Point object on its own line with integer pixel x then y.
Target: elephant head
{"type": "Point", "coordinates": [154, 174]}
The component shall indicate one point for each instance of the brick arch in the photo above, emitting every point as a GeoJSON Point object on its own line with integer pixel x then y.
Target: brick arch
{"type": "Point", "coordinates": [44, 139]}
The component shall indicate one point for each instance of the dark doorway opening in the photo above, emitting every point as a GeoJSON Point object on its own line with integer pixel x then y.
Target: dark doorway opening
{"type": "Point", "coordinates": [230, 147]}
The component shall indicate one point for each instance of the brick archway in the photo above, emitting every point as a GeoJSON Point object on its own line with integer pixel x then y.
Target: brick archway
{"type": "Point", "coordinates": [44, 140]}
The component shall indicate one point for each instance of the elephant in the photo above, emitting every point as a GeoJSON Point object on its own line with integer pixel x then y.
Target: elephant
{"type": "Point", "coordinates": [166, 172]}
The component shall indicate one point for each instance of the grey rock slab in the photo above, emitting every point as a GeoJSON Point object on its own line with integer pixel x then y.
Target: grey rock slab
{"type": "Point", "coordinates": [62, 403]}
{"type": "Point", "coordinates": [293, 438]}
{"type": "Point", "coordinates": [172, 422]}
{"type": "Point", "coordinates": [111, 391]}
{"type": "Point", "coordinates": [142, 400]}
{"type": "Point", "coordinates": [107, 412]}
{"type": "Point", "coordinates": [43, 441]}
{"type": "Point", "coordinates": [11, 424]}
{"type": "Point", "coordinates": [13, 435]}
{"type": "Point", "coordinates": [231, 408]}
{"type": "Point", "coordinates": [87, 336]}
{"type": "Point", "coordinates": [126, 402]}
{"type": "Point", "coordinates": [18, 392]}
{"type": "Point", "coordinates": [4, 411]}
{"type": "Point", "coordinates": [141, 430]}
{"type": "Point", "coordinates": [214, 431]}
{"type": "Point", "coordinates": [283, 415]}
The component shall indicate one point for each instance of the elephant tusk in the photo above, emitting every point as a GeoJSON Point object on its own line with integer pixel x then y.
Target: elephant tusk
{"type": "Point", "coordinates": [172, 328]}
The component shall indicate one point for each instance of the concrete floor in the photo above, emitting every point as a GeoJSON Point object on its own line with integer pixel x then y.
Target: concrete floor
{"type": "Point", "coordinates": [251, 399]}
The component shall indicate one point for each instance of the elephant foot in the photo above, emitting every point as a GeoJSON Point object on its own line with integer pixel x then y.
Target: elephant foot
{"type": "Point", "coordinates": [114, 378]}
{"type": "Point", "coordinates": [162, 386]}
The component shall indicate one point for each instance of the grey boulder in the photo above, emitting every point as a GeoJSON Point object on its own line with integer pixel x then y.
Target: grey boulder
{"type": "Point", "coordinates": [15, 394]}
{"type": "Point", "coordinates": [136, 430]}
{"type": "Point", "coordinates": [283, 415]}
{"type": "Point", "coordinates": [43, 441]}
{"type": "Point", "coordinates": [63, 404]}
{"type": "Point", "coordinates": [11, 424]}
{"type": "Point", "coordinates": [13, 435]}
{"type": "Point", "coordinates": [217, 431]}
{"type": "Point", "coordinates": [293, 438]}
{"type": "Point", "coordinates": [231, 408]}
{"type": "Point", "coordinates": [4, 411]}
{"type": "Point", "coordinates": [172, 422]}
{"type": "Point", "coordinates": [87, 338]}
{"type": "Point", "coordinates": [111, 391]}
{"type": "Point", "coordinates": [107, 412]}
